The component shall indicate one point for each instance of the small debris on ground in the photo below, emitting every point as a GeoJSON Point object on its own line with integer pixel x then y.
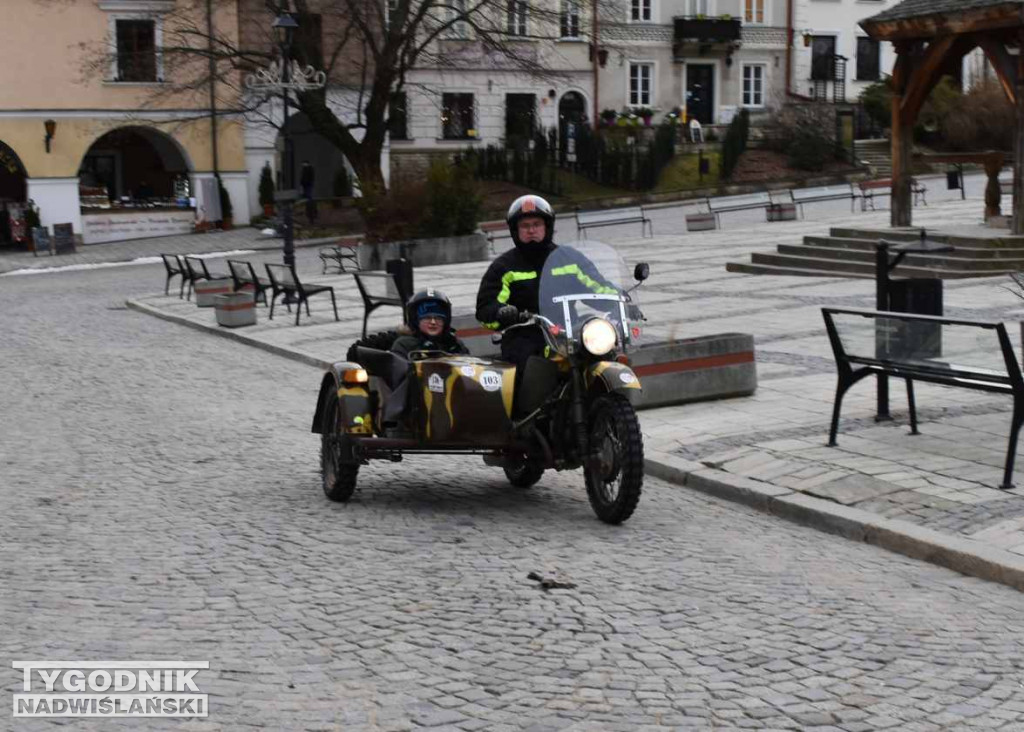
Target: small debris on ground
{"type": "Point", "coordinates": [548, 583]}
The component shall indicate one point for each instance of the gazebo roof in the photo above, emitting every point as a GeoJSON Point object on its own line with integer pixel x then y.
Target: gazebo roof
{"type": "Point", "coordinates": [928, 18]}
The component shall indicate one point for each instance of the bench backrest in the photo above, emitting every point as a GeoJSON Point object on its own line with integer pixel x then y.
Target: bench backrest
{"type": "Point", "coordinates": [196, 268]}
{"type": "Point", "coordinates": [242, 273]}
{"type": "Point", "coordinates": [753, 200]}
{"type": "Point", "coordinates": [172, 263]}
{"type": "Point", "coordinates": [972, 352]}
{"type": "Point", "coordinates": [282, 275]}
{"type": "Point", "coordinates": [633, 213]}
{"type": "Point", "coordinates": [823, 192]}
{"type": "Point", "coordinates": [372, 286]}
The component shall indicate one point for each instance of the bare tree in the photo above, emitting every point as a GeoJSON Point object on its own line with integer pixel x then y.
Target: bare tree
{"type": "Point", "coordinates": [367, 48]}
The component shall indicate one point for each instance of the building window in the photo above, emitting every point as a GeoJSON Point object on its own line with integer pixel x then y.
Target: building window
{"type": "Point", "coordinates": [520, 119]}
{"type": "Point", "coordinates": [459, 28]}
{"type": "Point", "coordinates": [868, 53]}
{"type": "Point", "coordinates": [640, 84]}
{"type": "Point", "coordinates": [753, 86]}
{"type": "Point", "coordinates": [823, 58]}
{"type": "Point", "coordinates": [398, 120]}
{"type": "Point", "coordinates": [570, 19]}
{"type": "Point", "coordinates": [136, 50]}
{"type": "Point", "coordinates": [517, 17]}
{"type": "Point", "coordinates": [696, 7]}
{"type": "Point", "coordinates": [640, 10]}
{"type": "Point", "coordinates": [457, 121]}
{"type": "Point", "coordinates": [753, 11]}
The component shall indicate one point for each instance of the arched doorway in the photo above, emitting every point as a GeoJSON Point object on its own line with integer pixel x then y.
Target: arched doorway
{"type": "Point", "coordinates": [572, 110]}
{"type": "Point", "coordinates": [133, 164]}
{"type": "Point", "coordinates": [12, 191]}
{"type": "Point", "coordinates": [325, 159]}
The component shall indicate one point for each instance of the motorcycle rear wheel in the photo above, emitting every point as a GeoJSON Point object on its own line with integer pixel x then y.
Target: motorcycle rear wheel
{"type": "Point", "coordinates": [615, 473]}
{"type": "Point", "coordinates": [339, 477]}
{"type": "Point", "coordinates": [523, 472]}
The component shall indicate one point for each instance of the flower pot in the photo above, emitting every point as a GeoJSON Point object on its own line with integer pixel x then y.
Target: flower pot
{"type": "Point", "coordinates": [268, 210]}
{"type": "Point", "coordinates": [647, 121]}
{"type": "Point", "coordinates": [235, 309]}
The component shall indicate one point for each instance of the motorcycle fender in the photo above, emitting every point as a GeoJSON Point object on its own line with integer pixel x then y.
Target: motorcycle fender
{"type": "Point", "coordinates": [613, 376]}
{"type": "Point", "coordinates": [353, 401]}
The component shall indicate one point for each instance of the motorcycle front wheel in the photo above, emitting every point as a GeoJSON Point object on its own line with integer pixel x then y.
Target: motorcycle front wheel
{"type": "Point", "coordinates": [614, 471]}
{"type": "Point", "coordinates": [339, 477]}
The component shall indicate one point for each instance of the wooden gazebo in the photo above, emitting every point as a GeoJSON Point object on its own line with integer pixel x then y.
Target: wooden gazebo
{"type": "Point", "coordinates": [929, 37]}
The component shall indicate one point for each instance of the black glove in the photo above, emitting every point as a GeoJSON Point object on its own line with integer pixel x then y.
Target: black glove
{"type": "Point", "coordinates": [507, 315]}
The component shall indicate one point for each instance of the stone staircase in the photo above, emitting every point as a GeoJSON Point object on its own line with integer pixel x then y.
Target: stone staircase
{"type": "Point", "coordinates": [876, 154]}
{"type": "Point", "coordinates": [850, 253]}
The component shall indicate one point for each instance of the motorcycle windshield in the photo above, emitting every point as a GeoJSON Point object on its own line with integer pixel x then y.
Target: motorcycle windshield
{"type": "Point", "coordinates": [586, 279]}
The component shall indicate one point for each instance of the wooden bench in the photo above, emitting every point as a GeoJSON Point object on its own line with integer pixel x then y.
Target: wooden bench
{"type": "Point", "coordinates": [339, 256]}
{"type": "Point", "coordinates": [613, 217]}
{"type": "Point", "coordinates": [871, 188]}
{"type": "Point", "coordinates": [745, 202]}
{"type": "Point", "coordinates": [284, 281]}
{"type": "Point", "coordinates": [196, 271]}
{"type": "Point", "coordinates": [909, 347]}
{"type": "Point", "coordinates": [174, 268]}
{"type": "Point", "coordinates": [373, 298]}
{"type": "Point", "coordinates": [243, 274]}
{"type": "Point", "coordinates": [802, 196]}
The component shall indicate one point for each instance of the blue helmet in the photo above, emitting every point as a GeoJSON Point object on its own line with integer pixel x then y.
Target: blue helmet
{"type": "Point", "coordinates": [428, 302]}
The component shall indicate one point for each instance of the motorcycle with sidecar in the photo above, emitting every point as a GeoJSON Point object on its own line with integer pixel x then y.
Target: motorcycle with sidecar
{"type": "Point", "coordinates": [572, 407]}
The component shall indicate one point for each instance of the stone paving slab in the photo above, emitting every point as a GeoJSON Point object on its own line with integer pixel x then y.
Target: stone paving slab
{"type": "Point", "coordinates": [771, 445]}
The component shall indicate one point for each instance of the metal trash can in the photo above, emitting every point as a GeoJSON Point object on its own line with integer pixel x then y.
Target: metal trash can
{"type": "Point", "coordinates": [918, 297]}
{"type": "Point", "coordinates": [235, 309]}
{"type": "Point", "coordinates": [402, 271]}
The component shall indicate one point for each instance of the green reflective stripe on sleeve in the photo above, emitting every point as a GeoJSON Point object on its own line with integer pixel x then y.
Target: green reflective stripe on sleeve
{"type": "Point", "coordinates": [588, 282]}
{"type": "Point", "coordinates": [506, 283]}
{"type": "Point", "coordinates": [492, 326]}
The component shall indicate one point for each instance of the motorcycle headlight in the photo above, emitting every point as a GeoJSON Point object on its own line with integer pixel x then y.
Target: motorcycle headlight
{"type": "Point", "coordinates": [598, 336]}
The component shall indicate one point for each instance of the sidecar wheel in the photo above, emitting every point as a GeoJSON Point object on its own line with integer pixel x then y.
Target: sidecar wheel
{"type": "Point", "coordinates": [339, 478]}
{"type": "Point", "coordinates": [523, 472]}
{"type": "Point", "coordinates": [615, 473]}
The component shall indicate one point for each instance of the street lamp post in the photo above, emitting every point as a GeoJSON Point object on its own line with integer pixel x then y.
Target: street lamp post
{"type": "Point", "coordinates": [284, 30]}
{"type": "Point", "coordinates": [286, 76]}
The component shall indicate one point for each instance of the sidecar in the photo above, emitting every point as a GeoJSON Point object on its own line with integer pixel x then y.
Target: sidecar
{"type": "Point", "coordinates": [450, 404]}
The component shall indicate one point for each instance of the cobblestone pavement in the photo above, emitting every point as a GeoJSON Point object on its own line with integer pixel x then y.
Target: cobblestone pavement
{"type": "Point", "coordinates": [160, 500]}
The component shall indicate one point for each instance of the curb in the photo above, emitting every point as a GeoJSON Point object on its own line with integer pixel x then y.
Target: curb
{"type": "Point", "coordinates": [962, 555]}
{"type": "Point", "coordinates": [231, 335]}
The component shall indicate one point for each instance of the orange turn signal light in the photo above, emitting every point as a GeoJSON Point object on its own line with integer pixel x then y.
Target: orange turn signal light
{"type": "Point", "coordinates": [355, 376]}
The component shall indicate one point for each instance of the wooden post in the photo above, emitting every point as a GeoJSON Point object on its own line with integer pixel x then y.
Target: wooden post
{"type": "Point", "coordinates": [902, 212]}
{"type": "Point", "coordinates": [1017, 225]}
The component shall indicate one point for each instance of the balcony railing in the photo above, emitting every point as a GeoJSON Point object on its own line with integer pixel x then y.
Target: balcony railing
{"type": "Point", "coordinates": [707, 30]}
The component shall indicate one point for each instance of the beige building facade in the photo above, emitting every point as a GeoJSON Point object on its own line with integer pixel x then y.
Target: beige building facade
{"type": "Point", "coordinates": [92, 135]}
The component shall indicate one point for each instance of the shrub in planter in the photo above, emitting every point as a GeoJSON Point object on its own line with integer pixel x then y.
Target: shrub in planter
{"type": "Point", "coordinates": [226, 210]}
{"type": "Point", "coordinates": [805, 133]}
{"type": "Point", "coordinates": [267, 190]}
{"type": "Point", "coordinates": [393, 215]}
{"type": "Point", "coordinates": [452, 201]}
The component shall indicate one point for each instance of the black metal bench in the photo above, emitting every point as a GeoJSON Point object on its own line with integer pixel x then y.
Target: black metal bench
{"type": "Point", "coordinates": [909, 347]}
{"type": "Point", "coordinates": [175, 268]}
{"type": "Point", "coordinates": [373, 300]}
{"type": "Point", "coordinates": [284, 281]}
{"type": "Point", "coordinates": [196, 271]}
{"type": "Point", "coordinates": [244, 276]}
{"type": "Point", "coordinates": [840, 192]}
{"type": "Point", "coordinates": [871, 188]}
{"type": "Point", "coordinates": [613, 217]}
{"type": "Point", "coordinates": [339, 256]}
{"type": "Point", "coordinates": [744, 202]}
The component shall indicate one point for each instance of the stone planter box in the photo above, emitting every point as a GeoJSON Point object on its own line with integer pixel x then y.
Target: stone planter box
{"type": "Point", "coordinates": [207, 290]}
{"type": "Point", "coordinates": [781, 212]}
{"type": "Point", "coordinates": [236, 309]}
{"type": "Point", "coordinates": [425, 252]}
{"type": "Point", "coordinates": [695, 369]}
{"type": "Point", "coordinates": [701, 222]}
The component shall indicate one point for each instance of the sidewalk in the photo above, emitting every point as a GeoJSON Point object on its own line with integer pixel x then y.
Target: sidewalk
{"type": "Point", "coordinates": [236, 240]}
{"type": "Point", "coordinates": [931, 496]}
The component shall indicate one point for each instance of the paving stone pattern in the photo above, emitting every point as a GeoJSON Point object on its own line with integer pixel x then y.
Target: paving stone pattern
{"type": "Point", "coordinates": [160, 500]}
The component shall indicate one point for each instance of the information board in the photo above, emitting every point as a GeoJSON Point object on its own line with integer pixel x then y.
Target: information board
{"type": "Point", "coordinates": [41, 240]}
{"type": "Point", "coordinates": [63, 239]}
